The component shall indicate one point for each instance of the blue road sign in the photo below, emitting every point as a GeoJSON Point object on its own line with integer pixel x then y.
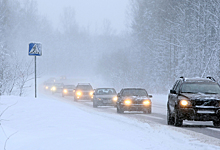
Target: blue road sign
{"type": "Point", "coordinates": [35, 49]}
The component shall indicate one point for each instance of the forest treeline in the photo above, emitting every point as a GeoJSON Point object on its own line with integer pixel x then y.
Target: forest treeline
{"type": "Point", "coordinates": [165, 39]}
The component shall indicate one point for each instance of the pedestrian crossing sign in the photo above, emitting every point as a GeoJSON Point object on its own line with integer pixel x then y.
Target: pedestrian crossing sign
{"type": "Point", "coordinates": [35, 49]}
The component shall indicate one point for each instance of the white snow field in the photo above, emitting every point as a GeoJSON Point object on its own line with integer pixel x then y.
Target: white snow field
{"type": "Point", "coordinates": [47, 123]}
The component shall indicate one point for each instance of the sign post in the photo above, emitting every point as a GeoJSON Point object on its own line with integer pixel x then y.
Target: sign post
{"type": "Point", "coordinates": [35, 49]}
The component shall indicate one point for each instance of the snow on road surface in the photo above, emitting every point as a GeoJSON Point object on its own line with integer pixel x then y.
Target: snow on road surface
{"type": "Point", "coordinates": [49, 124]}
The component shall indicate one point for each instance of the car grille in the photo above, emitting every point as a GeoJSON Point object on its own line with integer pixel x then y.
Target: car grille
{"type": "Point", "coordinates": [137, 102]}
{"type": "Point", "coordinates": [206, 102]}
{"type": "Point", "coordinates": [85, 93]}
{"type": "Point", "coordinates": [106, 99]}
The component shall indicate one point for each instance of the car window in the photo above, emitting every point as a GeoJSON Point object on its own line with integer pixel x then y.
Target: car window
{"type": "Point", "coordinates": [134, 92]}
{"type": "Point", "coordinates": [69, 86]}
{"type": "Point", "coordinates": [105, 91]}
{"type": "Point", "coordinates": [84, 87]}
{"type": "Point", "coordinates": [212, 88]}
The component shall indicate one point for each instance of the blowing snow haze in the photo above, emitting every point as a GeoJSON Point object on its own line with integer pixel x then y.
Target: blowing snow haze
{"type": "Point", "coordinates": [126, 43]}
{"type": "Point", "coordinates": [113, 74]}
{"type": "Point", "coordinates": [89, 14]}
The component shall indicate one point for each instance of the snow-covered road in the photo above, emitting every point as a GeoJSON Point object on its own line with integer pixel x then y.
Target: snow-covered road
{"type": "Point", "coordinates": [52, 122]}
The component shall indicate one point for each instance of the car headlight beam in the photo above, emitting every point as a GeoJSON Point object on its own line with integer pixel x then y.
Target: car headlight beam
{"type": "Point", "coordinates": [53, 88]}
{"type": "Point", "coordinates": [115, 98]}
{"type": "Point", "coordinates": [127, 102]}
{"type": "Point", "coordinates": [65, 91]}
{"type": "Point", "coordinates": [146, 102]}
{"type": "Point", "coordinates": [78, 93]}
{"type": "Point", "coordinates": [185, 103]}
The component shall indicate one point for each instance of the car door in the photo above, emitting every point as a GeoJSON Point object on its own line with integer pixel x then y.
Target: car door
{"type": "Point", "coordinates": [173, 96]}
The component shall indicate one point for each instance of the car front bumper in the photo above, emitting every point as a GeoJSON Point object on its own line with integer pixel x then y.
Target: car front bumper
{"type": "Point", "coordinates": [135, 107]}
{"type": "Point", "coordinates": [199, 114]}
{"type": "Point", "coordinates": [84, 97]}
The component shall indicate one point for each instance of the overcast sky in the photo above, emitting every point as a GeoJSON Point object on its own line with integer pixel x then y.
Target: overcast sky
{"type": "Point", "coordinates": [91, 12]}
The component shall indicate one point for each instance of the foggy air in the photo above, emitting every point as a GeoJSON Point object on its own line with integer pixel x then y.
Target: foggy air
{"type": "Point", "coordinates": [156, 61]}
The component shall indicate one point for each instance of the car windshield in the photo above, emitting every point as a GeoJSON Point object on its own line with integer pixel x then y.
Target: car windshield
{"type": "Point", "coordinates": [84, 87]}
{"type": "Point", "coordinates": [69, 86]}
{"type": "Point", "coordinates": [105, 91]}
{"type": "Point", "coordinates": [134, 92]}
{"type": "Point", "coordinates": [58, 85]}
{"type": "Point", "coordinates": [212, 88]}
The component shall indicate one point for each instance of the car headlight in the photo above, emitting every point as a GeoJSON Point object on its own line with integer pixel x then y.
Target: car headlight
{"type": "Point", "coordinates": [78, 93]}
{"type": "Point", "coordinates": [91, 93]}
{"type": "Point", "coordinates": [53, 88]}
{"type": "Point", "coordinates": [127, 102]}
{"type": "Point", "coordinates": [185, 103]}
{"type": "Point", "coordinates": [115, 98]}
{"type": "Point", "coordinates": [147, 102]}
{"type": "Point", "coordinates": [46, 87]}
{"type": "Point", "coordinates": [65, 91]}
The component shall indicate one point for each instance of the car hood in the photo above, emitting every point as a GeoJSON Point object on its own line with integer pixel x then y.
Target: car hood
{"type": "Point", "coordinates": [105, 96]}
{"type": "Point", "coordinates": [136, 98]}
{"type": "Point", "coordinates": [201, 96]}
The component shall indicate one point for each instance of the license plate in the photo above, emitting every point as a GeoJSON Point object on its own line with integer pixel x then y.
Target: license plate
{"type": "Point", "coordinates": [107, 101]}
{"type": "Point", "coordinates": [205, 111]}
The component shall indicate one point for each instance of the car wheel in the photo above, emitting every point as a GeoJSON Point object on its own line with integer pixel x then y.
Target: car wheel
{"type": "Point", "coordinates": [119, 110]}
{"type": "Point", "coordinates": [216, 123]}
{"type": "Point", "coordinates": [94, 104]}
{"type": "Point", "coordinates": [149, 111]}
{"type": "Point", "coordinates": [75, 99]}
{"type": "Point", "coordinates": [170, 120]}
{"type": "Point", "coordinates": [177, 121]}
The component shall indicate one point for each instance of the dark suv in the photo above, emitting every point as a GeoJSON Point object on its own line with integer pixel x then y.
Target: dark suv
{"type": "Point", "coordinates": [83, 91]}
{"type": "Point", "coordinates": [195, 99]}
{"type": "Point", "coordinates": [133, 99]}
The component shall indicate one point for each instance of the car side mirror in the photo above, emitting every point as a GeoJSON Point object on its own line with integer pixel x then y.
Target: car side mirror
{"type": "Point", "coordinates": [150, 96]}
{"type": "Point", "coordinates": [172, 91]}
{"type": "Point", "coordinates": [94, 93]}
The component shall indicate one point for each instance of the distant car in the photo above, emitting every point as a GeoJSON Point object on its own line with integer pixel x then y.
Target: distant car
{"type": "Point", "coordinates": [57, 88]}
{"type": "Point", "coordinates": [68, 90]}
{"type": "Point", "coordinates": [47, 85]}
{"type": "Point", "coordinates": [195, 99]}
{"type": "Point", "coordinates": [104, 97]}
{"type": "Point", "coordinates": [83, 91]}
{"type": "Point", "coordinates": [133, 99]}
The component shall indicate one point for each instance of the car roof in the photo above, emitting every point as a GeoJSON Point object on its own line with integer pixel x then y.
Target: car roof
{"type": "Point", "coordinates": [198, 80]}
{"type": "Point", "coordinates": [104, 88]}
{"type": "Point", "coordinates": [133, 89]}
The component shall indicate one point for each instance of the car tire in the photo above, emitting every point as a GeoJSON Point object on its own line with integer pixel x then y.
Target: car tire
{"type": "Point", "coordinates": [177, 121]}
{"type": "Point", "coordinates": [170, 120]}
{"type": "Point", "coordinates": [94, 104]}
{"type": "Point", "coordinates": [216, 123]}
{"type": "Point", "coordinates": [119, 110]}
{"type": "Point", "coordinates": [149, 111]}
{"type": "Point", "coordinates": [75, 99]}
{"type": "Point", "coordinates": [145, 111]}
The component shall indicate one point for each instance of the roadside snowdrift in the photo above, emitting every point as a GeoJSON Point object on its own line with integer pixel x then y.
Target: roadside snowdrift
{"type": "Point", "coordinates": [49, 124]}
